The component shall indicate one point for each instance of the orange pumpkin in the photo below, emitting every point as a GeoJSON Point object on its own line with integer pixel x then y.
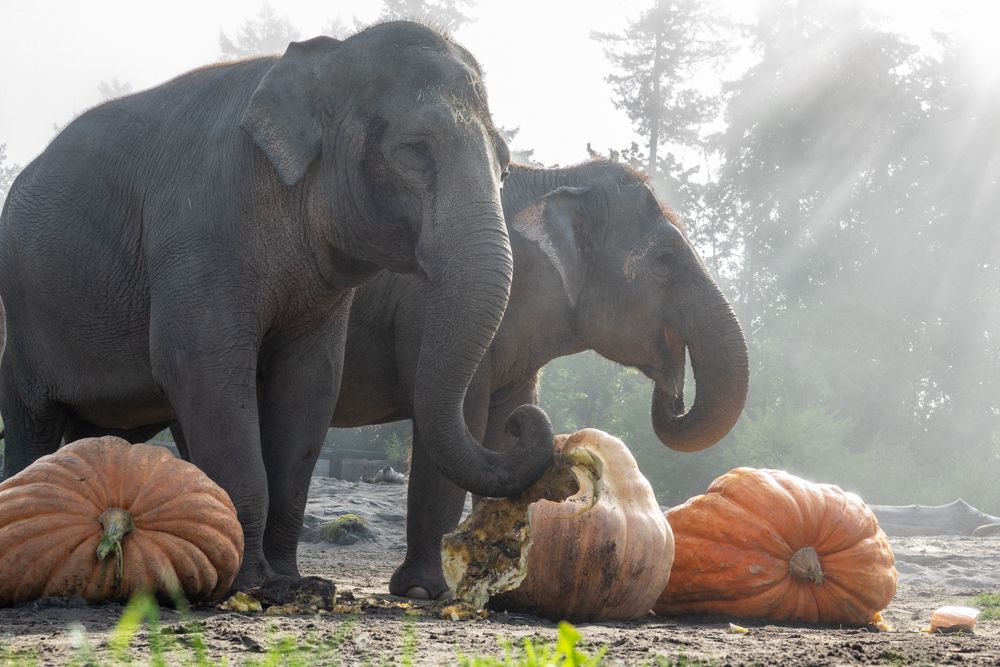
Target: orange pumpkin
{"type": "Point", "coordinates": [597, 555]}
{"type": "Point", "coordinates": [104, 519]}
{"type": "Point", "coordinates": [767, 544]}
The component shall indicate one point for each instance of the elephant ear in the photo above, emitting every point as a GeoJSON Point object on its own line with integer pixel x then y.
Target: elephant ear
{"type": "Point", "coordinates": [283, 117]}
{"type": "Point", "coordinates": [554, 226]}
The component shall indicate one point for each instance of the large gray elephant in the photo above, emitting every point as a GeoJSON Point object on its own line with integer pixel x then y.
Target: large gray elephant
{"type": "Point", "coordinates": [599, 265]}
{"type": "Point", "coordinates": [190, 253]}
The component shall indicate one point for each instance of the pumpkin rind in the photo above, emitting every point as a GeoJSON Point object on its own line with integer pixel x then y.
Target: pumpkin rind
{"type": "Point", "coordinates": [185, 533]}
{"type": "Point", "coordinates": [738, 545]}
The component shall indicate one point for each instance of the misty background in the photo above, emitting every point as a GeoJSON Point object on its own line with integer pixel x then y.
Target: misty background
{"type": "Point", "coordinates": [836, 163]}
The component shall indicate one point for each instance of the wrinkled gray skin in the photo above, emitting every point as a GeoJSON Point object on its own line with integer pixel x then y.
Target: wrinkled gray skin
{"type": "Point", "coordinates": [190, 253]}
{"type": "Point", "coordinates": [597, 265]}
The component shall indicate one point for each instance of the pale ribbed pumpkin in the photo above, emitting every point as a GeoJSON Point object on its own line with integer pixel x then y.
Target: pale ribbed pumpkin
{"type": "Point", "coordinates": [601, 554]}
{"type": "Point", "coordinates": [104, 519]}
{"type": "Point", "coordinates": [767, 544]}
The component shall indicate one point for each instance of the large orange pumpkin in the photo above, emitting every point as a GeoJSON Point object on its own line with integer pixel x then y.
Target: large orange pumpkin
{"type": "Point", "coordinates": [597, 555]}
{"type": "Point", "coordinates": [767, 544]}
{"type": "Point", "coordinates": [104, 519]}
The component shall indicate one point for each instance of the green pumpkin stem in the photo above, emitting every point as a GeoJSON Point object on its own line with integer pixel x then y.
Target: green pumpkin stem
{"type": "Point", "coordinates": [805, 565]}
{"type": "Point", "coordinates": [116, 523]}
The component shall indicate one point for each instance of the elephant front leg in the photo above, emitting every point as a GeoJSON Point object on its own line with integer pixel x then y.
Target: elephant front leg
{"type": "Point", "coordinates": [210, 383]}
{"type": "Point", "coordinates": [299, 390]}
{"type": "Point", "coordinates": [434, 507]}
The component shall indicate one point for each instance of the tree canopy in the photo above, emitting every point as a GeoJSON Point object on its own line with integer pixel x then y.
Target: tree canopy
{"type": "Point", "coordinates": [849, 221]}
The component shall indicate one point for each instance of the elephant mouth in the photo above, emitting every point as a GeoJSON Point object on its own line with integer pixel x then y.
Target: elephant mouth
{"type": "Point", "coordinates": [668, 374]}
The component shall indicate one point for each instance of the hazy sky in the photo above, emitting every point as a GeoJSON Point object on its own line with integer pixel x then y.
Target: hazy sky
{"type": "Point", "coordinates": [543, 71]}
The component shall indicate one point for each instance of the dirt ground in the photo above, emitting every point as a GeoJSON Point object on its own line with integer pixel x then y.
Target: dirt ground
{"type": "Point", "coordinates": [933, 571]}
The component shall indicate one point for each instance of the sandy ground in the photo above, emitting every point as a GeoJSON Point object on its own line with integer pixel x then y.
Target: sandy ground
{"type": "Point", "coordinates": [933, 572]}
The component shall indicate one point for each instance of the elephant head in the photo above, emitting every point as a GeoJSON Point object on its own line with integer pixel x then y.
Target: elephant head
{"type": "Point", "coordinates": [388, 137]}
{"type": "Point", "coordinates": [638, 293]}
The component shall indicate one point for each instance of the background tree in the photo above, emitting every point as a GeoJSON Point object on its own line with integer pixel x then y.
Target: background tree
{"type": "Point", "coordinates": [110, 90]}
{"type": "Point", "coordinates": [847, 196]}
{"type": "Point", "coordinates": [265, 34]}
{"type": "Point", "coordinates": [657, 59]}
{"type": "Point", "coordinates": [449, 15]}
{"type": "Point", "coordinates": [8, 172]}
{"type": "Point", "coordinates": [665, 64]}
{"type": "Point", "coordinates": [519, 155]}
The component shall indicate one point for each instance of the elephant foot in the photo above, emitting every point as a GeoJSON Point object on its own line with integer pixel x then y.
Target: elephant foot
{"type": "Point", "coordinates": [250, 576]}
{"type": "Point", "coordinates": [419, 582]}
{"type": "Point", "coordinates": [295, 595]}
{"type": "Point", "coordinates": [421, 593]}
{"type": "Point", "coordinates": [282, 566]}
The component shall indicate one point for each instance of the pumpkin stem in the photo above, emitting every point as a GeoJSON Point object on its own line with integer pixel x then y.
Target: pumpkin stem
{"type": "Point", "coordinates": [805, 565]}
{"type": "Point", "coordinates": [116, 523]}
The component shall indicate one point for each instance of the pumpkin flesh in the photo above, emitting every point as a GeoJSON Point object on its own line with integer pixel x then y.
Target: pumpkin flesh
{"type": "Point", "coordinates": [598, 554]}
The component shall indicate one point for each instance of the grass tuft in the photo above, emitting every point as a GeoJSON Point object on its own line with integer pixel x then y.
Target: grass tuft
{"type": "Point", "coordinates": [346, 529]}
{"type": "Point", "coordinates": [185, 645]}
{"type": "Point", "coordinates": [564, 653]}
{"type": "Point", "coordinates": [989, 603]}
{"type": "Point", "coordinates": [140, 637]}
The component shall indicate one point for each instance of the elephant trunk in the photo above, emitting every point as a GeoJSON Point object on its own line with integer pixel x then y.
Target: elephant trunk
{"type": "Point", "coordinates": [721, 371]}
{"type": "Point", "coordinates": [468, 286]}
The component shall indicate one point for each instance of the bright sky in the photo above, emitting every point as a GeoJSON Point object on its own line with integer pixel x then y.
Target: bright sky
{"type": "Point", "coordinates": [543, 71]}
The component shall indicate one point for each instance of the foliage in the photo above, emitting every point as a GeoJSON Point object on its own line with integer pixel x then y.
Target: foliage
{"type": "Point", "coordinates": [8, 172]}
{"type": "Point", "coordinates": [852, 295]}
{"type": "Point", "coordinates": [564, 654]}
{"type": "Point", "coordinates": [521, 156]}
{"type": "Point", "coordinates": [114, 88]}
{"type": "Point", "coordinates": [270, 32]}
{"type": "Point", "coordinates": [13, 658]}
{"type": "Point", "coordinates": [184, 643]}
{"type": "Point", "coordinates": [398, 448]}
{"type": "Point", "coordinates": [988, 605]}
{"type": "Point", "coordinates": [391, 440]}
{"type": "Point", "coordinates": [447, 15]}
{"type": "Point", "coordinates": [345, 529]}
{"type": "Point", "coordinates": [656, 60]}
{"type": "Point", "coordinates": [267, 33]}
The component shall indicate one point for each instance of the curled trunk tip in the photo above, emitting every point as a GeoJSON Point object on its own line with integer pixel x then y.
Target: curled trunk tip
{"type": "Point", "coordinates": [721, 371]}
{"type": "Point", "coordinates": [464, 303]}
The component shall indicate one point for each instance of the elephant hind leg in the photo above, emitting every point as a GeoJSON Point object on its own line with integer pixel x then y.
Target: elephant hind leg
{"type": "Point", "coordinates": [77, 429]}
{"type": "Point", "coordinates": [30, 431]}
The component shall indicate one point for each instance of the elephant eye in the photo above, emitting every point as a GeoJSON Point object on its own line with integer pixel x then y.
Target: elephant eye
{"type": "Point", "coordinates": [414, 155]}
{"type": "Point", "coordinates": [504, 174]}
{"type": "Point", "coordinates": [663, 263]}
